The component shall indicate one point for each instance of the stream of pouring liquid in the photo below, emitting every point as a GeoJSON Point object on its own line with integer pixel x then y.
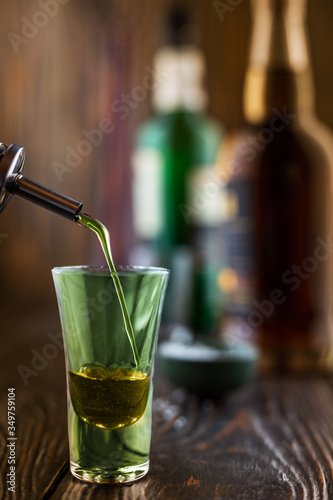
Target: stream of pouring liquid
{"type": "Point", "coordinates": [103, 235]}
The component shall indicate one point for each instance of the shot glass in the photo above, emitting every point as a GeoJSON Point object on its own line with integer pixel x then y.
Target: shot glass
{"type": "Point", "coordinates": [109, 394]}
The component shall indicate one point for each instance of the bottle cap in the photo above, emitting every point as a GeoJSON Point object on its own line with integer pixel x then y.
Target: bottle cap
{"type": "Point", "coordinates": [180, 64]}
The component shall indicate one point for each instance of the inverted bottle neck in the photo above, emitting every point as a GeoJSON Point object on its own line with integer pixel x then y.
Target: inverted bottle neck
{"type": "Point", "coordinates": [279, 73]}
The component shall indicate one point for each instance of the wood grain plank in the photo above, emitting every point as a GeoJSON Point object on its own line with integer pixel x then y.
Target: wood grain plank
{"type": "Point", "coordinates": [270, 439]}
{"type": "Point", "coordinates": [40, 405]}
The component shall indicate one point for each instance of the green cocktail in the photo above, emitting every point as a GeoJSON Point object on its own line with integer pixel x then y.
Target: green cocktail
{"type": "Point", "coordinates": [109, 393]}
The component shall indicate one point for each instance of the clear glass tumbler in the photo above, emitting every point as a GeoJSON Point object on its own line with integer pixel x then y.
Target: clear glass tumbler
{"type": "Point", "coordinates": [109, 396]}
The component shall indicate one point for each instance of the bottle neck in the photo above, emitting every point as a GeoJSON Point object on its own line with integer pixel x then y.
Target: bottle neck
{"type": "Point", "coordinates": [181, 85]}
{"type": "Point", "coordinates": [279, 73]}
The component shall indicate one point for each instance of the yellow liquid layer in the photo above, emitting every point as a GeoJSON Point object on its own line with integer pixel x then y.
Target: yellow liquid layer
{"type": "Point", "coordinates": [109, 398]}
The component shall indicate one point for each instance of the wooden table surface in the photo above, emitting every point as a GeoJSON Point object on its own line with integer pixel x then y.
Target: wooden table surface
{"type": "Point", "coordinates": [269, 439]}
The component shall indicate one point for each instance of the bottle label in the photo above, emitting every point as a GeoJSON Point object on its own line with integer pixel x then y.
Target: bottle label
{"type": "Point", "coordinates": [206, 201]}
{"type": "Point", "coordinates": [236, 278]}
{"type": "Point", "coordinates": [147, 193]}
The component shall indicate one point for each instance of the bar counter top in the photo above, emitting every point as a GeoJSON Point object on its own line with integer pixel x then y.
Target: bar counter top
{"type": "Point", "coordinates": [271, 438]}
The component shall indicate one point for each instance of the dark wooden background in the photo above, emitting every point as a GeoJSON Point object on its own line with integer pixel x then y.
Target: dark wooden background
{"type": "Point", "coordinates": [65, 79]}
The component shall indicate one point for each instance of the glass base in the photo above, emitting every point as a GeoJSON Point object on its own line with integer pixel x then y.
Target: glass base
{"type": "Point", "coordinates": [107, 475]}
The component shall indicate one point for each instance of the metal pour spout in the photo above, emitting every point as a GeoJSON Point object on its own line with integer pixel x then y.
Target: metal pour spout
{"type": "Point", "coordinates": [12, 182]}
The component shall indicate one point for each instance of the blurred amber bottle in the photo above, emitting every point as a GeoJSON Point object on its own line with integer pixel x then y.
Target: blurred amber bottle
{"type": "Point", "coordinates": [278, 181]}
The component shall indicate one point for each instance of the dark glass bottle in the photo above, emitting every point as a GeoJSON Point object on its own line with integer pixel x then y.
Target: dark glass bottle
{"type": "Point", "coordinates": [278, 177]}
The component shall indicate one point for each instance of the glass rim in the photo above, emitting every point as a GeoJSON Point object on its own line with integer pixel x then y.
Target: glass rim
{"type": "Point", "coordinates": [95, 269]}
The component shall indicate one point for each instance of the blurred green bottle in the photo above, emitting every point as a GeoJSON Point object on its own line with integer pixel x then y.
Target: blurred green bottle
{"type": "Point", "coordinates": [177, 197]}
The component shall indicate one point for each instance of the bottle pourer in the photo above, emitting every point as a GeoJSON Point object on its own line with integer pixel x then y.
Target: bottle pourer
{"type": "Point", "coordinates": [12, 182]}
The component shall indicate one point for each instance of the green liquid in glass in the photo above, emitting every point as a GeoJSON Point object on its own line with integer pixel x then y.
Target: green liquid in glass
{"type": "Point", "coordinates": [111, 455]}
{"type": "Point", "coordinates": [104, 238]}
{"type": "Point", "coordinates": [109, 397]}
